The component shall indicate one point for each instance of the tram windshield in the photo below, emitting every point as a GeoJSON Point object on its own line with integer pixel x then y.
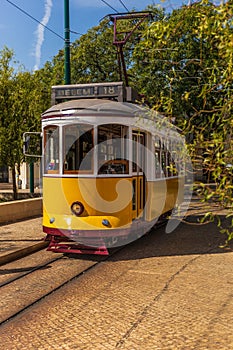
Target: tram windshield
{"type": "Point", "coordinates": [112, 149]}
{"type": "Point", "coordinates": [78, 153]}
{"type": "Point", "coordinates": [78, 148]}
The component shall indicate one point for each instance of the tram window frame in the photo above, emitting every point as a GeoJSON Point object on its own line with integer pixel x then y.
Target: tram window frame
{"type": "Point", "coordinates": [112, 159]}
{"type": "Point", "coordinates": [75, 151]}
{"type": "Point", "coordinates": [51, 149]}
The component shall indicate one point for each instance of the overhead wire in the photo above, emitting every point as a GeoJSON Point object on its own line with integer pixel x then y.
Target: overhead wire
{"type": "Point", "coordinates": [123, 5]}
{"type": "Point", "coordinates": [106, 3]}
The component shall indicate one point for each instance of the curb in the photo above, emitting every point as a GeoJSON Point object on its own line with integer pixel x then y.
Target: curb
{"type": "Point", "coordinates": [20, 210]}
{"type": "Point", "coordinates": [21, 253]}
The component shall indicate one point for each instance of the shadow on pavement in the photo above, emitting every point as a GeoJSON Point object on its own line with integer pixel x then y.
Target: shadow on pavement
{"type": "Point", "coordinates": [188, 238]}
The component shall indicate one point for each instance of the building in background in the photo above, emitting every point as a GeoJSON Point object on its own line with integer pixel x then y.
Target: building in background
{"type": "Point", "coordinates": [4, 174]}
{"type": "Point", "coordinates": [22, 179]}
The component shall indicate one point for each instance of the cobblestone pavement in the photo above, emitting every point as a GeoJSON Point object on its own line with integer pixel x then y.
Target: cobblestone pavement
{"type": "Point", "coordinates": [164, 291]}
{"type": "Point", "coordinates": [19, 235]}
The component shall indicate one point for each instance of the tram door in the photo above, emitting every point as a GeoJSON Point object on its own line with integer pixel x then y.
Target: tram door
{"type": "Point", "coordinates": [138, 178]}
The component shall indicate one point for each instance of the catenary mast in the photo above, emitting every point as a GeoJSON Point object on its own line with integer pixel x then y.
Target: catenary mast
{"type": "Point", "coordinates": [67, 41]}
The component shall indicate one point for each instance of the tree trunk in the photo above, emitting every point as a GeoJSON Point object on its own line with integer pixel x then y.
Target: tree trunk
{"type": "Point", "coordinates": [15, 193]}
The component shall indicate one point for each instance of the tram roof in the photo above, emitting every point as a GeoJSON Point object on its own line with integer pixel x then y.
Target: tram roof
{"type": "Point", "coordinates": [102, 107]}
{"type": "Point", "coordinates": [96, 106]}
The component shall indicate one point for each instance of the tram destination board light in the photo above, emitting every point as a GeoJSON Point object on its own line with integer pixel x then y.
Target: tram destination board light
{"type": "Point", "coordinates": [116, 91]}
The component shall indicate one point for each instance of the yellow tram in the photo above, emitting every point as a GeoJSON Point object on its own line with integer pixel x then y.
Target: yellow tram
{"type": "Point", "coordinates": [111, 168]}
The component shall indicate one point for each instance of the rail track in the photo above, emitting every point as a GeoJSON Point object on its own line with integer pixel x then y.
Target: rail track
{"type": "Point", "coordinates": [28, 280]}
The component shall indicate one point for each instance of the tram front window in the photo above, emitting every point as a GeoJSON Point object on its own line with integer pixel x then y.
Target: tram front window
{"type": "Point", "coordinates": [112, 149]}
{"type": "Point", "coordinates": [51, 149]}
{"type": "Point", "coordinates": [78, 149]}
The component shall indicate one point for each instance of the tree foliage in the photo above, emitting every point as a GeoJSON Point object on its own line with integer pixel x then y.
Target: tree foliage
{"type": "Point", "coordinates": [184, 68]}
{"type": "Point", "coordinates": [22, 100]}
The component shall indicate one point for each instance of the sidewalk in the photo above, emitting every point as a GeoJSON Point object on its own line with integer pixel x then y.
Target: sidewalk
{"type": "Point", "coordinates": [20, 238]}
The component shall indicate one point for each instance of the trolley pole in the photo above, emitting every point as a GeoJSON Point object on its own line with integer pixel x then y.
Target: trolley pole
{"type": "Point", "coordinates": [67, 41]}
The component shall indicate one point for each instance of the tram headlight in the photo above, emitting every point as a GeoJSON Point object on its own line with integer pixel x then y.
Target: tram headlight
{"type": "Point", "coordinates": [77, 208]}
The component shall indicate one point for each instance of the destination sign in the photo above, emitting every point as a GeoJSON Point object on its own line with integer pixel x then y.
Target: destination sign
{"type": "Point", "coordinates": [98, 90]}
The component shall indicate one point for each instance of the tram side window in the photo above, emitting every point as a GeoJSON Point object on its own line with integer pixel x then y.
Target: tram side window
{"type": "Point", "coordinates": [173, 169]}
{"type": "Point", "coordinates": [176, 158]}
{"type": "Point", "coordinates": [162, 159]}
{"type": "Point", "coordinates": [170, 159]}
{"type": "Point", "coordinates": [112, 149]}
{"type": "Point", "coordinates": [169, 164]}
{"type": "Point", "coordinates": [164, 163]}
{"type": "Point", "coordinates": [78, 149]}
{"type": "Point", "coordinates": [138, 151]}
{"type": "Point", "coordinates": [51, 149]}
{"type": "Point", "coordinates": [165, 158]}
{"type": "Point", "coordinates": [157, 163]}
{"type": "Point", "coordinates": [157, 144]}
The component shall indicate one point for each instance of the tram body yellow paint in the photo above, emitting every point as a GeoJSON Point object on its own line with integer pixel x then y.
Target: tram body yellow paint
{"type": "Point", "coordinates": [105, 198]}
{"type": "Point", "coordinates": [101, 198]}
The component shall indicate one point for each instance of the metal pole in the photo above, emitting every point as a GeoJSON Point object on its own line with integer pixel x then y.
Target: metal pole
{"type": "Point", "coordinates": [67, 41]}
{"type": "Point", "coordinates": [31, 181]}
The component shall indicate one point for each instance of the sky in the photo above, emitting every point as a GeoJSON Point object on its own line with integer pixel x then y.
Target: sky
{"type": "Point", "coordinates": [33, 45]}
